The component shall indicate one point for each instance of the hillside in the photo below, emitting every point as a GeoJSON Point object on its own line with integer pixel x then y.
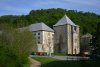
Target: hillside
{"type": "Point", "coordinates": [86, 20]}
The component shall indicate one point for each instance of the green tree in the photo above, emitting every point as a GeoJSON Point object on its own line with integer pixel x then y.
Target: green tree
{"type": "Point", "coordinates": [96, 41]}
{"type": "Point", "coordinates": [15, 46]}
{"type": "Point", "coordinates": [86, 20]}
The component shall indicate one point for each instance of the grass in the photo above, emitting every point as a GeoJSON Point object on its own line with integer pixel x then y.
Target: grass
{"type": "Point", "coordinates": [50, 62]}
{"type": "Point", "coordinates": [26, 65]}
{"type": "Point", "coordinates": [44, 60]}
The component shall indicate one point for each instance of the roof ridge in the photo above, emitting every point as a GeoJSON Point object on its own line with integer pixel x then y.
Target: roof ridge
{"type": "Point", "coordinates": [40, 26]}
{"type": "Point", "coordinates": [64, 20]}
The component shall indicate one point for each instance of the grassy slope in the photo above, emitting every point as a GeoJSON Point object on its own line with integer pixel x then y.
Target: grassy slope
{"type": "Point", "coordinates": [50, 62]}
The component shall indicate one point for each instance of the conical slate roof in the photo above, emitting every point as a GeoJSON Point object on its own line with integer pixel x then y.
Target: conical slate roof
{"type": "Point", "coordinates": [64, 20]}
{"type": "Point", "coordinates": [40, 26]}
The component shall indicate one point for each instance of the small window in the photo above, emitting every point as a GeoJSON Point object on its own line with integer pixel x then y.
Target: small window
{"type": "Point", "coordinates": [38, 42]}
{"type": "Point", "coordinates": [38, 33]}
{"type": "Point", "coordinates": [75, 28]}
{"type": "Point", "coordinates": [38, 37]}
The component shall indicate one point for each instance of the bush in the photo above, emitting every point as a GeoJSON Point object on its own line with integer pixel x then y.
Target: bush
{"type": "Point", "coordinates": [15, 47]}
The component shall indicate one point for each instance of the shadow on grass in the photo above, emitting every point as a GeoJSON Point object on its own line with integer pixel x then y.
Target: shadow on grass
{"type": "Point", "coordinates": [72, 64]}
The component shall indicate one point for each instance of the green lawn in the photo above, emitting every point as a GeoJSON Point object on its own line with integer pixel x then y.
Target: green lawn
{"type": "Point", "coordinates": [50, 62]}
{"type": "Point", "coordinates": [44, 60]}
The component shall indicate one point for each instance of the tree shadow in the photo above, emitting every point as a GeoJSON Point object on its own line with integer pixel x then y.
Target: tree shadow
{"type": "Point", "coordinates": [72, 64]}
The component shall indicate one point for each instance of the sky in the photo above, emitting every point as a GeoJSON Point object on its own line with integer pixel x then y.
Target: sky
{"type": "Point", "coordinates": [20, 7]}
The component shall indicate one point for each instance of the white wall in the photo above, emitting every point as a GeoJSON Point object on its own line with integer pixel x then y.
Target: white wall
{"type": "Point", "coordinates": [46, 40]}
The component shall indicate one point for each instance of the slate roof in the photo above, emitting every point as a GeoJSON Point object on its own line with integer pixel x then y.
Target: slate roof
{"type": "Point", "coordinates": [40, 26]}
{"type": "Point", "coordinates": [64, 20]}
{"type": "Point", "coordinates": [87, 35]}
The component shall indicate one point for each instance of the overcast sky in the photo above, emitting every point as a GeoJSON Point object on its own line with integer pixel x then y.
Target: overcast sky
{"type": "Point", "coordinates": [19, 7]}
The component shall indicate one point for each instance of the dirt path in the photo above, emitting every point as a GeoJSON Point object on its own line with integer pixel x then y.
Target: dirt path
{"type": "Point", "coordinates": [34, 63]}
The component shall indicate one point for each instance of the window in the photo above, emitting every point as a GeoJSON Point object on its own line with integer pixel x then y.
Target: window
{"type": "Point", "coordinates": [38, 42]}
{"type": "Point", "coordinates": [38, 33]}
{"type": "Point", "coordinates": [38, 37]}
{"type": "Point", "coordinates": [75, 28]}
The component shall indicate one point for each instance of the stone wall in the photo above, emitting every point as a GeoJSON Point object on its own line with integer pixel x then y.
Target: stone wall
{"type": "Point", "coordinates": [67, 39]}
{"type": "Point", "coordinates": [60, 39]}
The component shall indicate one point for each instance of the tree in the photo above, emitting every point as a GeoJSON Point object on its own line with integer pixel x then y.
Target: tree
{"type": "Point", "coordinates": [15, 46]}
{"type": "Point", "coordinates": [96, 41]}
{"type": "Point", "coordinates": [95, 53]}
{"type": "Point", "coordinates": [86, 20]}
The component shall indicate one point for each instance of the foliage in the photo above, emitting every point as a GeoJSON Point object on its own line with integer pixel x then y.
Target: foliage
{"type": "Point", "coordinates": [96, 41]}
{"type": "Point", "coordinates": [86, 20]}
{"type": "Point", "coordinates": [15, 46]}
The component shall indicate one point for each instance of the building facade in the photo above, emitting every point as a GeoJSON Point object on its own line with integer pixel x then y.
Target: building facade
{"type": "Point", "coordinates": [44, 36]}
{"type": "Point", "coordinates": [66, 36]}
{"type": "Point", "coordinates": [85, 44]}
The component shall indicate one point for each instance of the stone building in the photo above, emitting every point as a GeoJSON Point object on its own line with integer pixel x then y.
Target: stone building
{"type": "Point", "coordinates": [66, 36]}
{"type": "Point", "coordinates": [44, 37]}
{"type": "Point", "coordinates": [85, 44]}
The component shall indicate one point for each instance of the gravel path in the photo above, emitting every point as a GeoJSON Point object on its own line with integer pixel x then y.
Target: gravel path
{"type": "Point", "coordinates": [34, 63]}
